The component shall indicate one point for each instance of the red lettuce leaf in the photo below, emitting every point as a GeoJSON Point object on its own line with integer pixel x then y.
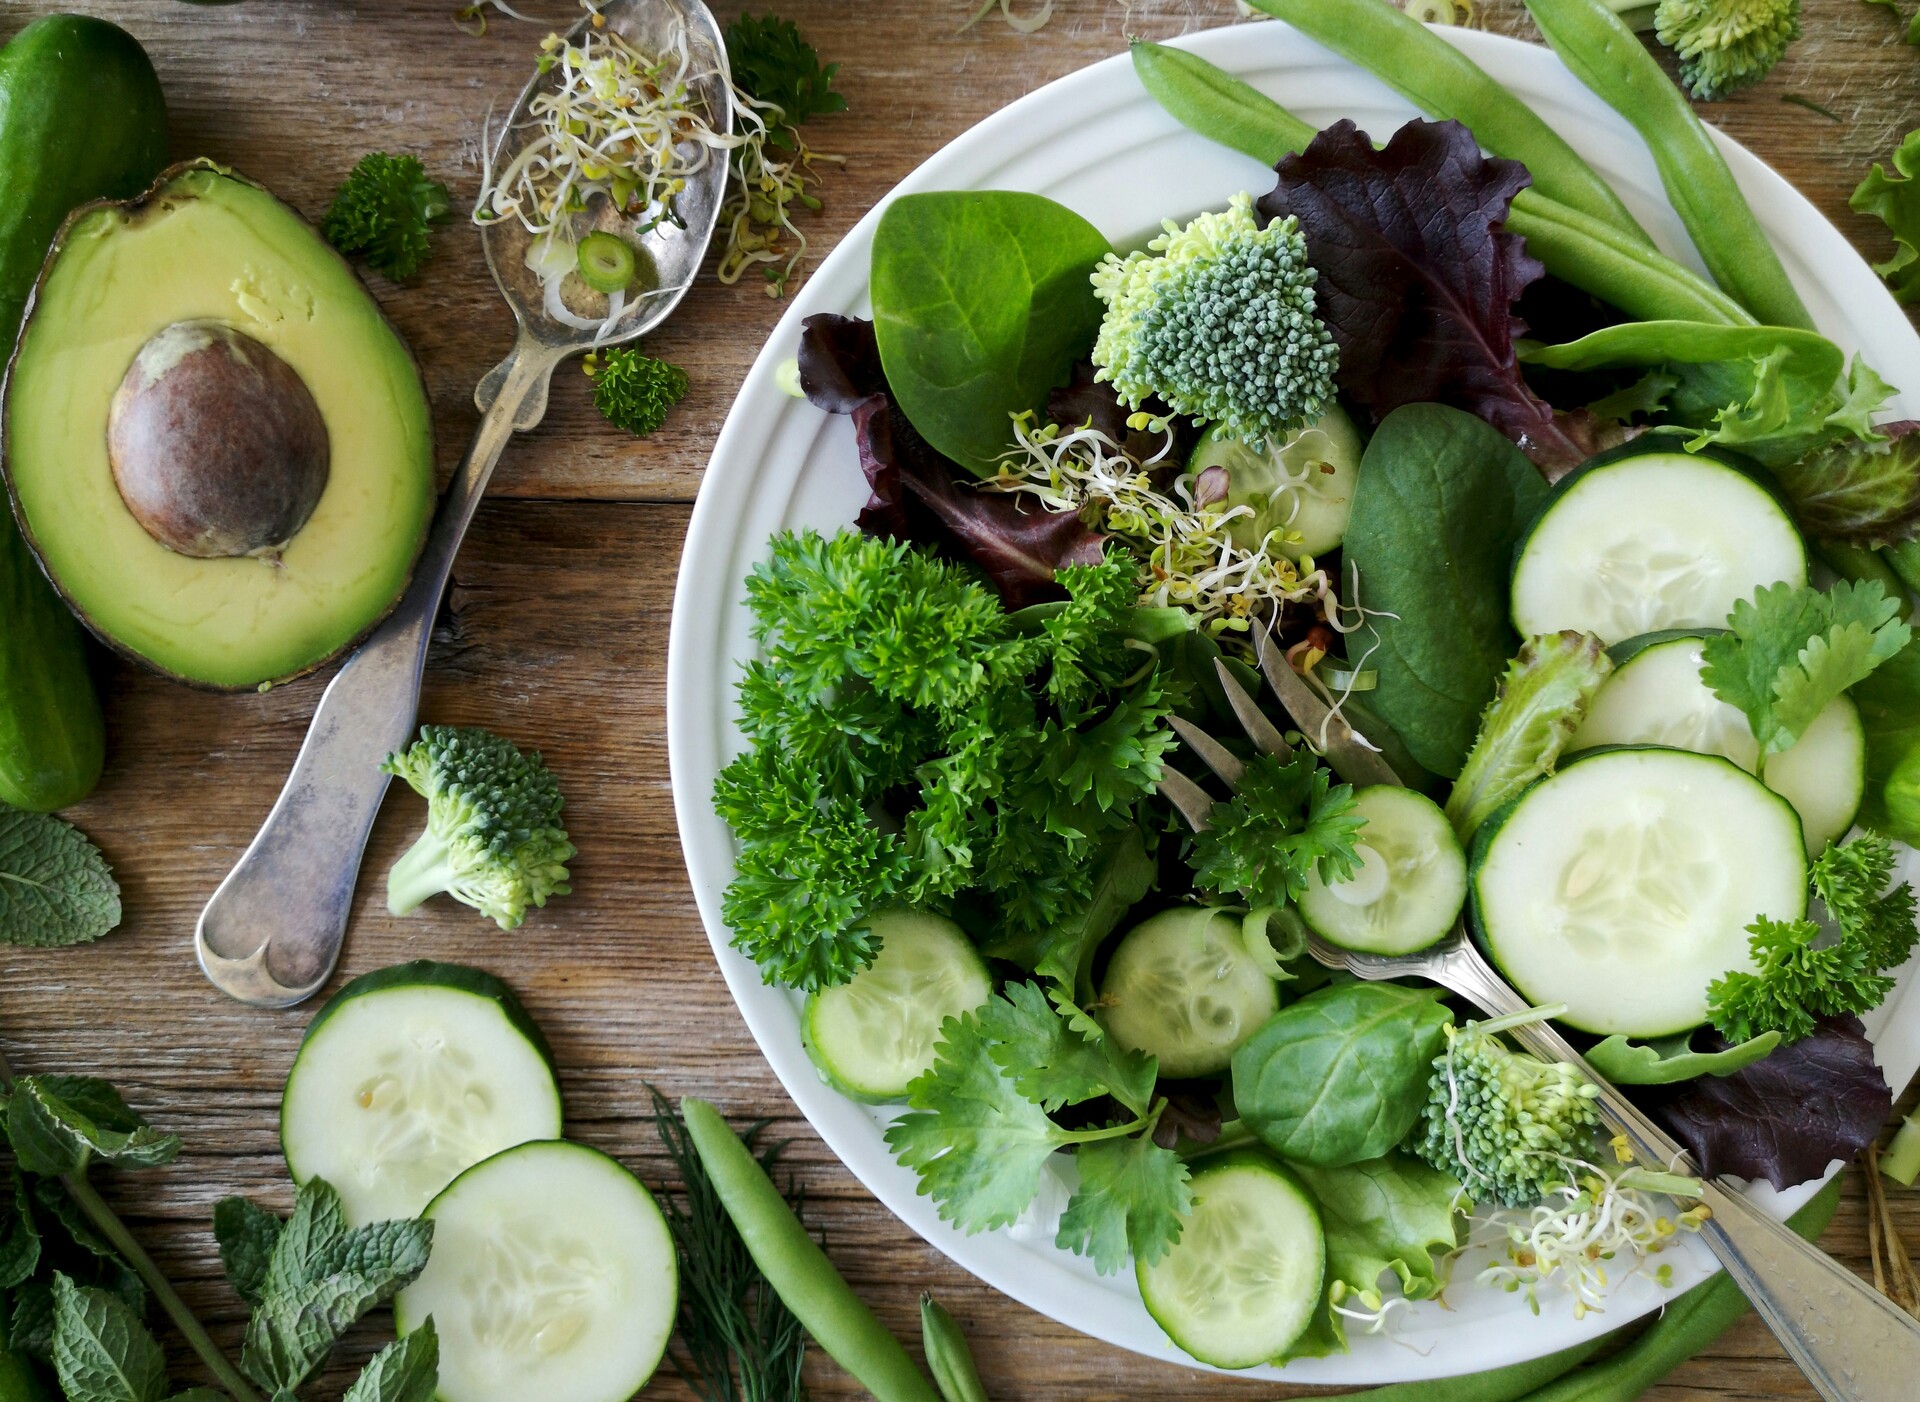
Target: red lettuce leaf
{"type": "Point", "coordinates": [1789, 1114]}
{"type": "Point", "coordinates": [921, 496]}
{"type": "Point", "coordinates": [1864, 494]}
{"type": "Point", "coordinates": [1419, 277]}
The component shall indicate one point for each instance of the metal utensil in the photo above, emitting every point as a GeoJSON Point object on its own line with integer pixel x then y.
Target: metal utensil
{"type": "Point", "coordinates": [1853, 1343]}
{"type": "Point", "coordinates": [272, 932]}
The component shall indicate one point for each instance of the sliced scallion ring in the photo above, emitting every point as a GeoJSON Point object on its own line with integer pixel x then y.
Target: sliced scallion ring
{"type": "Point", "coordinates": [606, 262]}
{"type": "Point", "coordinates": [1340, 679]}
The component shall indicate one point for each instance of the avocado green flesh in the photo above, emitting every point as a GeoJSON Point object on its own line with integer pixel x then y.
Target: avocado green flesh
{"type": "Point", "coordinates": [210, 246]}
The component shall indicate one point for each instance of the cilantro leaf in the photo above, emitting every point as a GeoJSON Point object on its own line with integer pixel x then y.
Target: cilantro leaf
{"type": "Point", "coordinates": [57, 1124]}
{"type": "Point", "coordinates": [1790, 652]}
{"type": "Point", "coordinates": [772, 63]}
{"type": "Point", "coordinates": [978, 1144]}
{"type": "Point", "coordinates": [406, 1370]}
{"type": "Point", "coordinates": [1286, 820]}
{"type": "Point", "coordinates": [1131, 1198]}
{"type": "Point", "coordinates": [101, 1350]}
{"type": "Point", "coordinates": [247, 1234]}
{"type": "Point", "coordinates": [55, 887]}
{"type": "Point", "coordinates": [1051, 1063]}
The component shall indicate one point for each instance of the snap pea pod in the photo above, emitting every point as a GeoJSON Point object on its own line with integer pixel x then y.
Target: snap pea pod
{"type": "Point", "coordinates": [948, 1356]}
{"type": "Point", "coordinates": [1610, 59]}
{"type": "Point", "coordinates": [1860, 564]}
{"type": "Point", "coordinates": [1904, 560]}
{"type": "Point", "coordinates": [797, 1268]}
{"type": "Point", "coordinates": [1581, 250]}
{"type": "Point", "coordinates": [1443, 82]}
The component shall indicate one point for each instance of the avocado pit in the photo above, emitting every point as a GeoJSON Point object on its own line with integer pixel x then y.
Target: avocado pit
{"type": "Point", "coordinates": [216, 444]}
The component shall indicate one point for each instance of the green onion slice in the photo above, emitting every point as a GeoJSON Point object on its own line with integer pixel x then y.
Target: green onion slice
{"type": "Point", "coordinates": [606, 262]}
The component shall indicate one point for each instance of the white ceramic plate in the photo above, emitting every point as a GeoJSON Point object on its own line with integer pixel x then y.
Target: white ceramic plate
{"type": "Point", "coordinates": [1097, 143]}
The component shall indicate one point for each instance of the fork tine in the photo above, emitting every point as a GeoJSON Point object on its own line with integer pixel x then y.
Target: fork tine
{"type": "Point", "coordinates": [1325, 728]}
{"type": "Point", "coordinates": [1194, 803]}
{"type": "Point", "coordinates": [1264, 733]}
{"type": "Point", "coordinates": [1213, 754]}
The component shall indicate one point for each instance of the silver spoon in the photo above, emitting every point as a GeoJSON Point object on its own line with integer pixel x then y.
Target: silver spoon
{"type": "Point", "coordinates": [272, 933]}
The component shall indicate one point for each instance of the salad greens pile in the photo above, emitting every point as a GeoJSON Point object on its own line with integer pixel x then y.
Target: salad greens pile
{"type": "Point", "coordinates": [1352, 416]}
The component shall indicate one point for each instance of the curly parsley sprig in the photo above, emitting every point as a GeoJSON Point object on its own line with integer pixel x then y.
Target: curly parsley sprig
{"type": "Point", "coordinates": [1803, 970]}
{"type": "Point", "coordinates": [1287, 818]}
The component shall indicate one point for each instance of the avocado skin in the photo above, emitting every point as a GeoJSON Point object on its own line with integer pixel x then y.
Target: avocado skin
{"type": "Point", "coordinates": [82, 117]}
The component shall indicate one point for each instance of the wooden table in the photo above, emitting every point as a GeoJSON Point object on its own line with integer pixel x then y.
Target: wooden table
{"type": "Point", "coordinates": [555, 632]}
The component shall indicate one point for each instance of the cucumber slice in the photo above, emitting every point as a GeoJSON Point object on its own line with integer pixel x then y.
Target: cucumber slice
{"type": "Point", "coordinates": [1301, 488]}
{"type": "Point", "coordinates": [871, 1036]}
{"type": "Point", "coordinates": [409, 1076]}
{"type": "Point", "coordinates": [1182, 987]}
{"type": "Point", "coordinates": [1244, 1281]}
{"type": "Point", "coordinates": [1411, 883]}
{"type": "Point", "coordinates": [1656, 697]}
{"type": "Point", "coordinates": [1622, 886]}
{"type": "Point", "coordinates": [1648, 539]}
{"type": "Point", "coordinates": [552, 1276]}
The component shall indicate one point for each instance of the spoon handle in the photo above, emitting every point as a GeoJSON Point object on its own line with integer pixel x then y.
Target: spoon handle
{"type": "Point", "coordinates": [271, 934]}
{"type": "Point", "coordinates": [1853, 1343]}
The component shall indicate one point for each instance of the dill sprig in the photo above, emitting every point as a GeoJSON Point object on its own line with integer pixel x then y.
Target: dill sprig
{"type": "Point", "coordinates": [738, 1340]}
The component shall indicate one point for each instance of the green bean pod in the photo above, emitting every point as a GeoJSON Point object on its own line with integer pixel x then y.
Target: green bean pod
{"type": "Point", "coordinates": [1443, 82]}
{"type": "Point", "coordinates": [1860, 564]}
{"type": "Point", "coordinates": [1904, 560]}
{"type": "Point", "coordinates": [948, 1356]}
{"type": "Point", "coordinates": [1610, 59]}
{"type": "Point", "coordinates": [1584, 251]}
{"type": "Point", "coordinates": [797, 1268]}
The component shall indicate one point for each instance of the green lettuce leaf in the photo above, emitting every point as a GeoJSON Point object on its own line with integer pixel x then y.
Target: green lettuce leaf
{"type": "Point", "coordinates": [1542, 700]}
{"type": "Point", "coordinates": [1669, 1059]}
{"type": "Point", "coordinates": [1894, 199]}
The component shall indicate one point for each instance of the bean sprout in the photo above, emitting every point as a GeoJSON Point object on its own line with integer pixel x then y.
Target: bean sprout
{"type": "Point", "coordinates": [772, 170]}
{"type": "Point", "coordinates": [1183, 534]}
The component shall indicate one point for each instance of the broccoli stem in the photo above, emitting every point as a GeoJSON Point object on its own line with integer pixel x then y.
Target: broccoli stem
{"type": "Point", "coordinates": [1901, 1161]}
{"type": "Point", "coordinates": [420, 874]}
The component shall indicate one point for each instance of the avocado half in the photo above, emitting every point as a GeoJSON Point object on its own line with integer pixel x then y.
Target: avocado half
{"type": "Point", "coordinates": [216, 445]}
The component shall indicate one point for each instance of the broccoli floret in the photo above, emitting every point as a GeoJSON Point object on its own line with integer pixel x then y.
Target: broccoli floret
{"type": "Point", "coordinates": [383, 211]}
{"type": "Point", "coordinates": [1218, 320]}
{"type": "Point", "coordinates": [1722, 45]}
{"type": "Point", "coordinates": [633, 390]}
{"type": "Point", "coordinates": [493, 837]}
{"type": "Point", "coordinates": [1507, 1124]}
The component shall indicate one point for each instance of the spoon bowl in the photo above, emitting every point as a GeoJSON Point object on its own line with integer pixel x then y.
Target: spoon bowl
{"type": "Point", "coordinates": [271, 934]}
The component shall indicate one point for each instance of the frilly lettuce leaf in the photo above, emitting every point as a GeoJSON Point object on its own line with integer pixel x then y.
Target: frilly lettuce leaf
{"type": "Point", "coordinates": [1542, 699]}
{"type": "Point", "coordinates": [1894, 199]}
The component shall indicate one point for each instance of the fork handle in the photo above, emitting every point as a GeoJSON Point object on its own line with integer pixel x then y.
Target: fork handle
{"type": "Point", "coordinates": [1853, 1343]}
{"type": "Point", "coordinates": [271, 934]}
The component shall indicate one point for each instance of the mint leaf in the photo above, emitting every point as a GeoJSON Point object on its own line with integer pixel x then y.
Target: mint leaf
{"type": "Point", "coordinates": [1053, 1065]}
{"type": "Point", "coordinates": [57, 1123]}
{"type": "Point", "coordinates": [19, 1237]}
{"type": "Point", "coordinates": [977, 1143]}
{"type": "Point", "coordinates": [247, 1234]}
{"type": "Point", "coordinates": [1131, 1198]}
{"type": "Point", "coordinates": [1790, 652]}
{"type": "Point", "coordinates": [407, 1370]}
{"type": "Point", "coordinates": [55, 887]}
{"type": "Point", "coordinates": [320, 1277]}
{"type": "Point", "coordinates": [101, 1350]}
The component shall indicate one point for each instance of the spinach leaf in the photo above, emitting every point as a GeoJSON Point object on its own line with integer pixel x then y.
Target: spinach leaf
{"type": "Point", "coordinates": [1388, 1214]}
{"type": "Point", "coordinates": [1668, 1059]}
{"type": "Point", "coordinates": [1889, 702]}
{"type": "Point", "coordinates": [1442, 501]}
{"type": "Point", "coordinates": [982, 303]}
{"type": "Point", "coordinates": [1341, 1075]}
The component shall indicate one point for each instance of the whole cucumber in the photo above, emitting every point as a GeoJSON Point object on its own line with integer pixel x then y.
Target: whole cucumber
{"type": "Point", "coordinates": [81, 118]}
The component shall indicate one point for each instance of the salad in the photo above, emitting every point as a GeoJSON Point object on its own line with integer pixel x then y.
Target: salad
{"type": "Point", "coordinates": [1582, 544]}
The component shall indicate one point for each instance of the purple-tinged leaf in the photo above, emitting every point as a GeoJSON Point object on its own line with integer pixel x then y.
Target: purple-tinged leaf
{"type": "Point", "coordinates": [1864, 494]}
{"type": "Point", "coordinates": [1788, 1115]}
{"type": "Point", "coordinates": [1419, 277]}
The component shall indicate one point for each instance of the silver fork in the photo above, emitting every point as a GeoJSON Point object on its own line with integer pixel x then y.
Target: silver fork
{"type": "Point", "coordinates": [1853, 1343]}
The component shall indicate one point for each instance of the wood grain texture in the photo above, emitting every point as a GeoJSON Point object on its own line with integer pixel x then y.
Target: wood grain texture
{"type": "Point", "coordinates": [555, 633]}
